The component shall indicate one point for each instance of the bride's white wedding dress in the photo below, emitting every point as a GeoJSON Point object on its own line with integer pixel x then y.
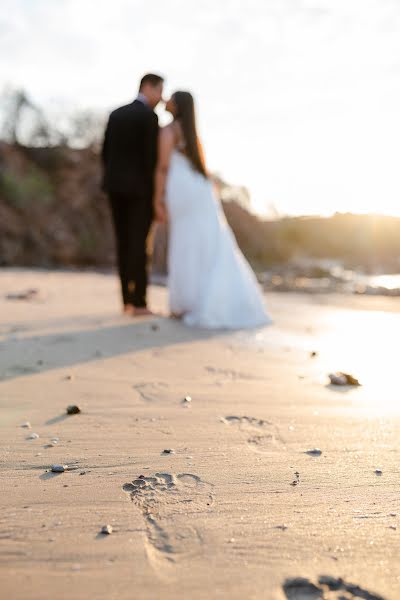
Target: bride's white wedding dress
{"type": "Point", "coordinates": [210, 282]}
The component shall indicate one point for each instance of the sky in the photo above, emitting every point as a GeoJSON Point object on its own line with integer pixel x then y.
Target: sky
{"type": "Point", "coordinates": [297, 99]}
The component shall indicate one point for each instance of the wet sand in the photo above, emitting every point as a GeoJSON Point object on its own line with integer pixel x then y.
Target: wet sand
{"type": "Point", "coordinates": [237, 509]}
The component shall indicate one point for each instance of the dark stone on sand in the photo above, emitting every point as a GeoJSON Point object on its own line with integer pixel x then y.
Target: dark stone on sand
{"type": "Point", "coordinates": [314, 452]}
{"type": "Point", "coordinates": [155, 327]}
{"type": "Point", "coordinates": [59, 468]}
{"type": "Point", "coordinates": [313, 354]}
{"type": "Point", "coordinates": [107, 529]}
{"type": "Point", "coordinates": [340, 378]}
{"type": "Point", "coordinates": [72, 409]}
{"type": "Point", "coordinates": [25, 295]}
{"type": "Point", "coordinates": [168, 451]}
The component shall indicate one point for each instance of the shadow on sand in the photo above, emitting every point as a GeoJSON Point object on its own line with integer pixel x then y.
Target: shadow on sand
{"type": "Point", "coordinates": [25, 356]}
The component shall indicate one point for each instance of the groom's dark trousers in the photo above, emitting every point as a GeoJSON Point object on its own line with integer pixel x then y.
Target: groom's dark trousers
{"type": "Point", "coordinates": [129, 158]}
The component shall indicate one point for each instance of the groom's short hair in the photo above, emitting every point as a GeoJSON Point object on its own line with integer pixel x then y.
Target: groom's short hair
{"type": "Point", "coordinates": [152, 79]}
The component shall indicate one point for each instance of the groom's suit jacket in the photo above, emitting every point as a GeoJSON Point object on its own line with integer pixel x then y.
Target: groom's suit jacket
{"type": "Point", "coordinates": [129, 152]}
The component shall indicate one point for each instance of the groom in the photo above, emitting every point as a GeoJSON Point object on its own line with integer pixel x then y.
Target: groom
{"type": "Point", "coordinates": [129, 156]}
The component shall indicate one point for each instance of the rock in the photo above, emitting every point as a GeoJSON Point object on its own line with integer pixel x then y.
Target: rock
{"type": "Point", "coordinates": [25, 295]}
{"type": "Point", "coordinates": [340, 378]}
{"type": "Point", "coordinates": [155, 327]}
{"type": "Point", "coordinates": [313, 354]}
{"type": "Point", "coordinates": [168, 451]}
{"type": "Point", "coordinates": [59, 468]}
{"type": "Point", "coordinates": [283, 527]}
{"type": "Point", "coordinates": [54, 441]}
{"type": "Point", "coordinates": [27, 425]}
{"type": "Point", "coordinates": [72, 409]}
{"type": "Point", "coordinates": [378, 472]}
{"type": "Point", "coordinates": [107, 529]}
{"type": "Point", "coordinates": [33, 436]}
{"type": "Point", "coordinates": [394, 527]}
{"type": "Point", "coordinates": [314, 452]}
{"type": "Point", "coordinates": [187, 400]}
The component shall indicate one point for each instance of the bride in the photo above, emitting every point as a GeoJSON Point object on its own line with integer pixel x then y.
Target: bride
{"type": "Point", "coordinates": [211, 285]}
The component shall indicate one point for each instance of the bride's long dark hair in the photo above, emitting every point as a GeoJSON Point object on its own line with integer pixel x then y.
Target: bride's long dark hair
{"type": "Point", "coordinates": [186, 116]}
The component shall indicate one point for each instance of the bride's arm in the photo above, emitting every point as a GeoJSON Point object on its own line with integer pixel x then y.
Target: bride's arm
{"type": "Point", "coordinates": [165, 147]}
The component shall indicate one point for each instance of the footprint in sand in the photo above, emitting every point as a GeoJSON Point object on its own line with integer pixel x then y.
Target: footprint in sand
{"type": "Point", "coordinates": [327, 588]}
{"type": "Point", "coordinates": [151, 392]}
{"type": "Point", "coordinates": [261, 435]}
{"type": "Point", "coordinates": [229, 374]}
{"type": "Point", "coordinates": [168, 503]}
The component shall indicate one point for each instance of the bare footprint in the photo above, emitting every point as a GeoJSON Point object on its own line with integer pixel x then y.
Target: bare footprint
{"type": "Point", "coordinates": [261, 435]}
{"type": "Point", "coordinates": [167, 502]}
{"type": "Point", "coordinates": [327, 588]}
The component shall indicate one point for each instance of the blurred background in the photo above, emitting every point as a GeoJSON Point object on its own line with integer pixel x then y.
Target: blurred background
{"type": "Point", "coordinates": [298, 112]}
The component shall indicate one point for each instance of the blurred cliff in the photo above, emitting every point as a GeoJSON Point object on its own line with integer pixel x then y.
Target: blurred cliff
{"type": "Point", "coordinates": [52, 212]}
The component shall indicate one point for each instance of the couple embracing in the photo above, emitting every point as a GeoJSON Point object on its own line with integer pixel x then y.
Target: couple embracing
{"type": "Point", "coordinates": [152, 173]}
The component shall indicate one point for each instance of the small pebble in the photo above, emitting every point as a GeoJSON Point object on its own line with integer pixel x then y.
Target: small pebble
{"type": "Point", "coordinates": [168, 451]}
{"type": "Point", "coordinates": [394, 527]}
{"type": "Point", "coordinates": [155, 327]}
{"type": "Point", "coordinates": [33, 436]}
{"type": "Point", "coordinates": [314, 452]}
{"type": "Point", "coordinates": [26, 424]}
{"type": "Point", "coordinates": [59, 468]}
{"type": "Point", "coordinates": [282, 527]}
{"type": "Point", "coordinates": [107, 529]}
{"type": "Point", "coordinates": [72, 409]}
{"type": "Point", "coordinates": [186, 400]}
{"type": "Point", "coordinates": [392, 514]}
{"type": "Point", "coordinates": [313, 354]}
{"type": "Point", "coordinates": [378, 472]}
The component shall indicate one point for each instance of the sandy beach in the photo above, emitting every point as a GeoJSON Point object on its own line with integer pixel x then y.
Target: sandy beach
{"type": "Point", "coordinates": [236, 507]}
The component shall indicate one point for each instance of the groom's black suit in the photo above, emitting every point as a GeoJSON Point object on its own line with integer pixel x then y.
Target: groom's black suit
{"type": "Point", "coordinates": [129, 157]}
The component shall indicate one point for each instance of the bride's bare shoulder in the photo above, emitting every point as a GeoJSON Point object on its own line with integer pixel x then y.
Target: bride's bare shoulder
{"type": "Point", "coordinates": [168, 131]}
